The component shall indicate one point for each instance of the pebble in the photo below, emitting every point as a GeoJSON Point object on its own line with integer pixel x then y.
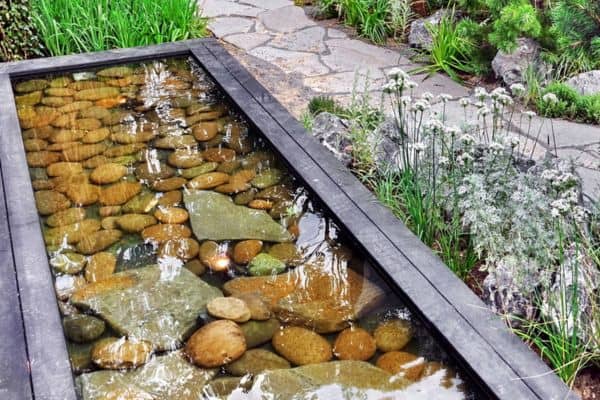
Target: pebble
{"type": "Point", "coordinates": [287, 253]}
{"type": "Point", "coordinates": [68, 263]}
{"type": "Point", "coordinates": [64, 168]}
{"type": "Point", "coordinates": [255, 361]}
{"type": "Point", "coordinates": [108, 173]}
{"type": "Point", "coordinates": [246, 250]}
{"type": "Point", "coordinates": [66, 217]}
{"type": "Point", "coordinates": [407, 365]}
{"type": "Point", "coordinates": [259, 310]}
{"type": "Point", "coordinates": [265, 264]}
{"type": "Point", "coordinates": [184, 248]}
{"type": "Point", "coordinates": [193, 172]}
{"type": "Point", "coordinates": [100, 266]}
{"type": "Point", "coordinates": [229, 308]}
{"type": "Point", "coordinates": [119, 193]}
{"type": "Point", "coordinates": [170, 184]}
{"type": "Point", "coordinates": [208, 181]}
{"type": "Point", "coordinates": [260, 332]}
{"type": "Point", "coordinates": [302, 346]}
{"type": "Point", "coordinates": [49, 202]}
{"type": "Point", "coordinates": [215, 344]}
{"type": "Point", "coordinates": [393, 335]}
{"type": "Point", "coordinates": [98, 241]}
{"type": "Point", "coordinates": [114, 353]}
{"type": "Point", "coordinates": [162, 232]}
{"type": "Point", "coordinates": [135, 222]}
{"type": "Point", "coordinates": [171, 198]}
{"type": "Point", "coordinates": [171, 215]}
{"type": "Point", "coordinates": [218, 154]}
{"type": "Point", "coordinates": [213, 256]}
{"type": "Point", "coordinates": [196, 267]}
{"type": "Point", "coordinates": [354, 344]}
{"type": "Point", "coordinates": [267, 178]}
{"type": "Point", "coordinates": [83, 328]}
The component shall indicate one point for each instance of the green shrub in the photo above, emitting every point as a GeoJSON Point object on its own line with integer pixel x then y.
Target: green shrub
{"type": "Point", "coordinates": [569, 104]}
{"type": "Point", "coordinates": [515, 20]}
{"type": "Point", "coordinates": [321, 104]}
{"type": "Point", "coordinates": [18, 39]}
{"type": "Point", "coordinates": [75, 26]}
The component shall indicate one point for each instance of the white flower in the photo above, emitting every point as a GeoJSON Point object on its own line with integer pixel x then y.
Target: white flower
{"type": "Point", "coordinates": [550, 98]}
{"type": "Point", "coordinates": [479, 104]}
{"type": "Point", "coordinates": [464, 158]}
{"type": "Point", "coordinates": [497, 147]}
{"type": "Point", "coordinates": [580, 213]}
{"type": "Point", "coordinates": [483, 111]}
{"type": "Point", "coordinates": [452, 130]}
{"type": "Point", "coordinates": [411, 84]}
{"type": "Point", "coordinates": [443, 160]}
{"type": "Point", "coordinates": [406, 100]}
{"type": "Point", "coordinates": [511, 141]}
{"type": "Point", "coordinates": [529, 114]}
{"type": "Point", "coordinates": [499, 91]}
{"type": "Point", "coordinates": [398, 74]}
{"type": "Point", "coordinates": [467, 139]}
{"type": "Point", "coordinates": [434, 125]}
{"type": "Point", "coordinates": [481, 93]}
{"type": "Point", "coordinates": [445, 97]}
{"type": "Point", "coordinates": [561, 205]}
{"type": "Point", "coordinates": [418, 146]}
{"type": "Point", "coordinates": [554, 212]}
{"type": "Point", "coordinates": [392, 86]}
{"type": "Point", "coordinates": [427, 96]}
{"type": "Point", "coordinates": [464, 102]}
{"type": "Point", "coordinates": [549, 174]}
{"type": "Point", "coordinates": [517, 89]}
{"type": "Point", "coordinates": [505, 100]}
{"type": "Point", "coordinates": [421, 105]}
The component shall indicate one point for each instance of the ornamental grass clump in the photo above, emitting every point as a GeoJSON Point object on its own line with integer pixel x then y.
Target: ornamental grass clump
{"type": "Point", "coordinates": [473, 193]}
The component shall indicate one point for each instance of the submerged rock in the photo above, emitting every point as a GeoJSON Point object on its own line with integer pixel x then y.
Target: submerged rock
{"type": "Point", "coordinates": [214, 216]}
{"type": "Point", "coordinates": [265, 264]}
{"type": "Point", "coordinates": [302, 346]}
{"type": "Point", "coordinates": [216, 344]}
{"type": "Point", "coordinates": [256, 361]}
{"type": "Point", "coordinates": [83, 328]}
{"type": "Point", "coordinates": [314, 296]}
{"type": "Point", "coordinates": [155, 304]}
{"type": "Point", "coordinates": [344, 380]}
{"type": "Point", "coordinates": [164, 377]}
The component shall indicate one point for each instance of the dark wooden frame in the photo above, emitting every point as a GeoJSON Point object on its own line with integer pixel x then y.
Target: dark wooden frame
{"type": "Point", "coordinates": [33, 356]}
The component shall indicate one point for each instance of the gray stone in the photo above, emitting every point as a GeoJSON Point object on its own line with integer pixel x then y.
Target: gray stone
{"type": "Point", "coordinates": [83, 328]}
{"type": "Point", "coordinates": [334, 133]}
{"type": "Point", "coordinates": [157, 304]}
{"type": "Point", "coordinates": [344, 379]}
{"type": "Point", "coordinates": [268, 4]}
{"type": "Point", "coordinates": [386, 140]}
{"type": "Point", "coordinates": [590, 183]}
{"type": "Point", "coordinates": [580, 158]}
{"type": "Point", "coordinates": [247, 41]}
{"type": "Point", "coordinates": [346, 82]}
{"type": "Point", "coordinates": [256, 361]}
{"type": "Point", "coordinates": [511, 67]}
{"type": "Point", "coordinates": [567, 133]}
{"type": "Point", "coordinates": [229, 25]}
{"type": "Point", "coordinates": [336, 34]}
{"type": "Point", "coordinates": [285, 19]}
{"type": "Point", "coordinates": [309, 40]}
{"type": "Point", "coordinates": [214, 216]}
{"type": "Point", "coordinates": [265, 264]}
{"type": "Point", "coordinates": [221, 8]}
{"type": "Point", "coordinates": [164, 377]}
{"type": "Point", "coordinates": [438, 84]}
{"type": "Point", "coordinates": [586, 83]}
{"type": "Point", "coordinates": [419, 35]}
{"type": "Point", "coordinates": [351, 54]}
{"type": "Point", "coordinates": [291, 61]}
{"type": "Point", "coordinates": [259, 332]}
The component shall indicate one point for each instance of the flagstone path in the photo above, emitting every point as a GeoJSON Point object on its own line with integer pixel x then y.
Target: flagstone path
{"type": "Point", "coordinates": [297, 58]}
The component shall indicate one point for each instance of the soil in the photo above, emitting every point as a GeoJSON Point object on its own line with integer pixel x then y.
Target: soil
{"type": "Point", "coordinates": [587, 384]}
{"type": "Point", "coordinates": [475, 280]}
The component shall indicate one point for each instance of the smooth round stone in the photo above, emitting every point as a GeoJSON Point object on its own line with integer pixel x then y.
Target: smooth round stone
{"type": "Point", "coordinates": [213, 256]}
{"type": "Point", "coordinates": [287, 253]}
{"type": "Point", "coordinates": [205, 131]}
{"type": "Point", "coordinates": [135, 222]}
{"type": "Point", "coordinates": [41, 158]}
{"type": "Point", "coordinates": [244, 197]}
{"type": "Point", "coordinates": [171, 215]}
{"type": "Point", "coordinates": [108, 211]}
{"type": "Point", "coordinates": [216, 343]}
{"type": "Point", "coordinates": [170, 199]}
{"type": "Point", "coordinates": [260, 332]}
{"type": "Point", "coordinates": [205, 168]}
{"type": "Point", "coordinates": [100, 266]}
{"type": "Point", "coordinates": [175, 142]}
{"type": "Point", "coordinates": [108, 173]}
{"type": "Point", "coordinates": [83, 195]}
{"type": "Point", "coordinates": [302, 346]}
{"type": "Point", "coordinates": [246, 250]}
{"type": "Point", "coordinates": [64, 168]}
{"type": "Point", "coordinates": [393, 335]}
{"type": "Point", "coordinates": [98, 241]}
{"type": "Point", "coordinates": [218, 154]}
{"type": "Point", "coordinates": [119, 193]}
{"type": "Point", "coordinates": [162, 232]}
{"type": "Point", "coordinates": [184, 248]}
{"type": "Point", "coordinates": [196, 267]}
{"type": "Point", "coordinates": [267, 178]}
{"type": "Point", "coordinates": [49, 202]}
{"type": "Point", "coordinates": [68, 263]}
{"type": "Point", "coordinates": [66, 217]}
{"type": "Point", "coordinates": [229, 308]}
{"type": "Point", "coordinates": [354, 344]}
{"type": "Point", "coordinates": [113, 353]}
{"type": "Point", "coordinates": [83, 328]}
{"type": "Point", "coordinates": [208, 181]}
{"type": "Point", "coordinates": [259, 310]}
{"type": "Point", "coordinates": [265, 264]}
{"type": "Point", "coordinates": [80, 356]}
{"type": "Point", "coordinates": [153, 171]}
{"type": "Point", "coordinates": [167, 185]}
{"type": "Point", "coordinates": [255, 361]}
{"type": "Point", "coordinates": [141, 204]}
{"type": "Point", "coordinates": [408, 365]}
{"type": "Point", "coordinates": [233, 187]}
{"type": "Point", "coordinates": [110, 222]}
{"type": "Point", "coordinates": [66, 285]}
{"type": "Point", "coordinates": [261, 204]}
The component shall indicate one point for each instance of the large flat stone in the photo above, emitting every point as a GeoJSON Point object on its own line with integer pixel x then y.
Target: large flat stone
{"type": "Point", "coordinates": [268, 4]}
{"type": "Point", "coordinates": [285, 19]}
{"type": "Point", "coordinates": [214, 216]}
{"type": "Point", "coordinates": [229, 25]}
{"type": "Point", "coordinates": [438, 84]}
{"type": "Point", "coordinates": [331, 380]}
{"type": "Point", "coordinates": [581, 158]}
{"type": "Point", "coordinates": [345, 82]}
{"type": "Point", "coordinates": [168, 377]}
{"type": "Point", "coordinates": [247, 41]}
{"type": "Point", "coordinates": [590, 182]}
{"type": "Point", "coordinates": [306, 64]}
{"type": "Point", "coordinates": [223, 8]}
{"type": "Point", "coordinates": [350, 54]}
{"type": "Point", "coordinates": [157, 304]}
{"type": "Point", "coordinates": [309, 40]}
{"type": "Point", "coordinates": [319, 296]}
{"type": "Point", "coordinates": [567, 133]}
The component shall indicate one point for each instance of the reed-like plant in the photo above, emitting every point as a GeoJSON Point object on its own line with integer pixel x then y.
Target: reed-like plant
{"type": "Point", "coordinates": [76, 26]}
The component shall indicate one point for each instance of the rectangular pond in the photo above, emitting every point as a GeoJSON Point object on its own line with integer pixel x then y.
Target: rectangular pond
{"type": "Point", "coordinates": [170, 232]}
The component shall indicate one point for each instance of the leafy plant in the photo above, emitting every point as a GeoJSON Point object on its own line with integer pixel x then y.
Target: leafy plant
{"type": "Point", "coordinates": [559, 100]}
{"type": "Point", "coordinates": [74, 26]}
{"type": "Point", "coordinates": [515, 20]}
{"type": "Point", "coordinates": [18, 39]}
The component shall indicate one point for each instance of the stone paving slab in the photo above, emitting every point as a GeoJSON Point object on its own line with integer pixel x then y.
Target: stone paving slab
{"type": "Point", "coordinates": [296, 59]}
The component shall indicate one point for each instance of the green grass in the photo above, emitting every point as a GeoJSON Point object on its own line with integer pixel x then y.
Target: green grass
{"type": "Point", "coordinates": [77, 26]}
{"type": "Point", "coordinates": [570, 104]}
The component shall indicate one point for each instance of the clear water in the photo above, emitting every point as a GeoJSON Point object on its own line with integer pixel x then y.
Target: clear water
{"type": "Point", "coordinates": [155, 198]}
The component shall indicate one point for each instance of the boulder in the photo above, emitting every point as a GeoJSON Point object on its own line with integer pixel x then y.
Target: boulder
{"type": "Point", "coordinates": [334, 133]}
{"type": "Point", "coordinates": [164, 377]}
{"type": "Point", "coordinates": [586, 83]}
{"type": "Point", "coordinates": [316, 296]}
{"type": "Point", "coordinates": [214, 216]}
{"type": "Point", "coordinates": [151, 303]}
{"type": "Point", "coordinates": [419, 35]}
{"type": "Point", "coordinates": [511, 67]}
